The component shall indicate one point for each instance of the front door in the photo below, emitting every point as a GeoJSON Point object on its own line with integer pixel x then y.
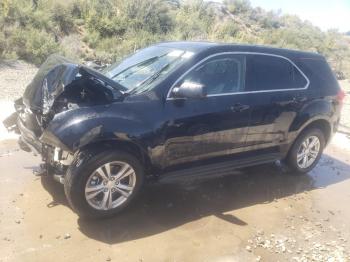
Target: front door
{"type": "Point", "coordinates": [215, 125]}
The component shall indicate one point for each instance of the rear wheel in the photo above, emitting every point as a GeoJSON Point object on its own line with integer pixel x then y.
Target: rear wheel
{"type": "Point", "coordinates": [306, 151]}
{"type": "Point", "coordinates": [104, 184]}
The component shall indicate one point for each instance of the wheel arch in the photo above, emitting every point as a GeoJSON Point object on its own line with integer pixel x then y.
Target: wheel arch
{"type": "Point", "coordinates": [126, 146]}
{"type": "Point", "coordinates": [321, 123]}
{"type": "Point", "coordinates": [318, 113]}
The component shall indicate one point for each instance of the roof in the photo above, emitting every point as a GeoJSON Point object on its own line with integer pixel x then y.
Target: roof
{"type": "Point", "coordinates": [194, 46]}
{"type": "Point", "coordinates": [199, 46]}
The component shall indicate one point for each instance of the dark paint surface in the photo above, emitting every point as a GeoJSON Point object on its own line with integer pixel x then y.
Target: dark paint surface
{"type": "Point", "coordinates": [171, 132]}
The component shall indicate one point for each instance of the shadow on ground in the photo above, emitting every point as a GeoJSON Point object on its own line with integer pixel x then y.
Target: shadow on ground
{"type": "Point", "coordinates": [161, 207]}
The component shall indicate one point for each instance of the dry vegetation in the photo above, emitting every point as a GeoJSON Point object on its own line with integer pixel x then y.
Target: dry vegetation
{"type": "Point", "coordinates": [107, 30]}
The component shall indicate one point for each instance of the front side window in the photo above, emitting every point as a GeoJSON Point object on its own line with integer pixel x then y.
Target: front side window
{"type": "Point", "coordinates": [139, 72]}
{"type": "Point", "coordinates": [265, 72]}
{"type": "Point", "coordinates": [219, 75]}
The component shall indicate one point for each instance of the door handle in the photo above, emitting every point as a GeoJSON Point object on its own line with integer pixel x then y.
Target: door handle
{"type": "Point", "coordinates": [239, 107]}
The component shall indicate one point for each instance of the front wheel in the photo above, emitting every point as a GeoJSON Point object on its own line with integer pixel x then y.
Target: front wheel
{"type": "Point", "coordinates": [306, 151]}
{"type": "Point", "coordinates": [103, 184]}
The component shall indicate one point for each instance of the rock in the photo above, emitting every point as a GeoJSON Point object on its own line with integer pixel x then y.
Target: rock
{"type": "Point", "coordinates": [18, 221]}
{"type": "Point", "coordinates": [258, 258]}
{"type": "Point", "coordinates": [108, 259]}
{"type": "Point", "coordinates": [248, 248]}
{"type": "Point", "coordinates": [40, 236]}
{"type": "Point", "coordinates": [260, 241]}
{"type": "Point", "coordinates": [260, 232]}
{"type": "Point", "coordinates": [283, 248]}
{"type": "Point", "coordinates": [67, 236]}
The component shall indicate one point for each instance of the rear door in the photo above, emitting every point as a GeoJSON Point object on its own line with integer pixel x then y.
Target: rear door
{"type": "Point", "coordinates": [277, 90]}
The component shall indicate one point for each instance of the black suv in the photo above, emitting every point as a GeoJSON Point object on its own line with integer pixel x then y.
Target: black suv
{"type": "Point", "coordinates": [175, 109]}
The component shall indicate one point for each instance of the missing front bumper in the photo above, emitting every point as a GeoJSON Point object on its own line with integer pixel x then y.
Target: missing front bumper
{"type": "Point", "coordinates": [29, 142]}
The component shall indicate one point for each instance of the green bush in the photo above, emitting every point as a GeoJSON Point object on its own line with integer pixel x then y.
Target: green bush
{"type": "Point", "coordinates": [110, 29]}
{"type": "Point", "coordinates": [194, 21]}
{"type": "Point", "coordinates": [2, 44]}
{"type": "Point", "coordinates": [62, 18]}
{"type": "Point", "coordinates": [32, 45]}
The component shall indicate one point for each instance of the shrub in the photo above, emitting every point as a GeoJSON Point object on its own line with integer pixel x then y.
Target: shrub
{"type": "Point", "coordinates": [92, 39]}
{"type": "Point", "coordinates": [110, 29]}
{"type": "Point", "coordinates": [62, 18]}
{"type": "Point", "coordinates": [71, 47]}
{"type": "Point", "coordinates": [194, 21]}
{"type": "Point", "coordinates": [32, 45]}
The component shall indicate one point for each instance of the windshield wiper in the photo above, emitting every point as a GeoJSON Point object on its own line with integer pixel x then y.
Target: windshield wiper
{"type": "Point", "coordinates": [141, 64]}
{"type": "Point", "coordinates": [153, 77]}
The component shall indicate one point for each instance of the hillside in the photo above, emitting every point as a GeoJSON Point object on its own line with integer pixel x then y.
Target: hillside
{"type": "Point", "coordinates": [107, 30]}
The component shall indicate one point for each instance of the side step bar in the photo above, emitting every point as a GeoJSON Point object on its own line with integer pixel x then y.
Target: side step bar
{"type": "Point", "coordinates": [217, 169]}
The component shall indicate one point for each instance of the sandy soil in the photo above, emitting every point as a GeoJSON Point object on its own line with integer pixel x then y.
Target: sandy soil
{"type": "Point", "coordinates": [255, 214]}
{"type": "Point", "coordinates": [14, 77]}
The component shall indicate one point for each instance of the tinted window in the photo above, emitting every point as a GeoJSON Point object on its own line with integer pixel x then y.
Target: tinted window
{"type": "Point", "coordinates": [219, 75]}
{"type": "Point", "coordinates": [320, 72]}
{"type": "Point", "coordinates": [266, 72]}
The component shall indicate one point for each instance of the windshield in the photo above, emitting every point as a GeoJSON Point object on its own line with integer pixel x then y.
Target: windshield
{"type": "Point", "coordinates": [139, 72]}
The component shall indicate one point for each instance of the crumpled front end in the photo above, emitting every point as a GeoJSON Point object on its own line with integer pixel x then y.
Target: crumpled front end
{"type": "Point", "coordinates": [25, 123]}
{"type": "Point", "coordinates": [59, 86]}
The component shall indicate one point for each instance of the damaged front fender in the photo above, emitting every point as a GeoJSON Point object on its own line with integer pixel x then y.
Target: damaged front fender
{"type": "Point", "coordinates": [74, 129]}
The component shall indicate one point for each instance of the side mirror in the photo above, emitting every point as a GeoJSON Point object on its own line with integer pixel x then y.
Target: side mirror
{"type": "Point", "coordinates": [189, 90]}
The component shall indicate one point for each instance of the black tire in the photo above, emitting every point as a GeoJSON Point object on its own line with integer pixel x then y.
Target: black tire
{"type": "Point", "coordinates": [291, 160]}
{"type": "Point", "coordinates": [81, 169]}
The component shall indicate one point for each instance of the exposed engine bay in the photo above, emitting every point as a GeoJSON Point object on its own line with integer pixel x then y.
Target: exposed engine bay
{"type": "Point", "coordinates": [83, 91]}
{"type": "Point", "coordinates": [59, 86]}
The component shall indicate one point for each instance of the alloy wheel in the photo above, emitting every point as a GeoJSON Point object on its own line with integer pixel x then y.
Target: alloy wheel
{"type": "Point", "coordinates": [308, 152]}
{"type": "Point", "coordinates": [110, 185]}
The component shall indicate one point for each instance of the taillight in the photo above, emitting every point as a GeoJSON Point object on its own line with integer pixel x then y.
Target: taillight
{"type": "Point", "coordinates": [341, 96]}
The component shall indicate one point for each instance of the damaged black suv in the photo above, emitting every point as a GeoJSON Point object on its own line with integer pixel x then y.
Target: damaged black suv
{"type": "Point", "coordinates": [175, 109]}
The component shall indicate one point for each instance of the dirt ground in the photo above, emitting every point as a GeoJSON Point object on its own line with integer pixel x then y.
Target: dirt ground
{"type": "Point", "coordinates": [255, 214]}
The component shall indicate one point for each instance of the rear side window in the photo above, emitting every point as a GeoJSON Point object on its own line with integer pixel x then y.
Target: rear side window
{"type": "Point", "coordinates": [265, 72]}
{"type": "Point", "coordinates": [320, 72]}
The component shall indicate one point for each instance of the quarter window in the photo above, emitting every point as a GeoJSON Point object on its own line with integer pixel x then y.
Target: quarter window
{"type": "Point", "coordinates": [219, 75]}
{"type": "Point", "coordinates": [266, 72]}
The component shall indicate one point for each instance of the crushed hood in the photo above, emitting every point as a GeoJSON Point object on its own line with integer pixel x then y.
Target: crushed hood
{"type": "Point", "coordinates": [54, 75]}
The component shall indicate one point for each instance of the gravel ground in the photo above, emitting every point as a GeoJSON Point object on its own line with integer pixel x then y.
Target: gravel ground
{"type": "Point", "coordinates": [14, 77]}
{"type": "Point", "coordinates": [258, 214]}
